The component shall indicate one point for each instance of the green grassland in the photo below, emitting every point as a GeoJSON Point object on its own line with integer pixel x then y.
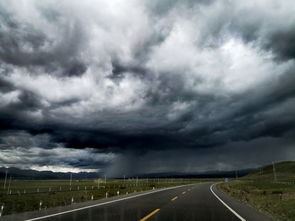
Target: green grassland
{"type": "Point", "coordinates": [274, 195]}
{"type": "Point", "coordinates": [26, 195]}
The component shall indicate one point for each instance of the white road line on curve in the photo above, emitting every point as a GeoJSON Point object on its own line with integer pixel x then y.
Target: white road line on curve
{"type": "Point", "coordinates": [104, 203]}
{"type": "Point", "coordinates": [227, 206]}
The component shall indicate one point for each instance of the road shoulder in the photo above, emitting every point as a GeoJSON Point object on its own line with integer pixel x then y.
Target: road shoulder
{"type": "Point", "coordinates": [244, 210]}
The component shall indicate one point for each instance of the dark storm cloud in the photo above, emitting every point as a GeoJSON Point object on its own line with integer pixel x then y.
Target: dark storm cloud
{"type": "Point", "coordinates": [254, 117]}
{"type": "Point", "coordinates": [165, 6]}
{"type": "Point", "coordinates": [118, 70]}
{"type": "Point", "coordinates": [177, 77]}
{"type": "Point", "coordinates": [278, 38]}
{"type": "Point", "coordinates": [265, 27]}
{"type": "Point", "coordinates": [15, 114]}
{"type": "Point", "coordinates": [280, 42]}
{"type": "Point", "coordinates": [20, 149]}
{"type": "Point", "coordinates": [5, 86]}
{"type": "Point", "coordinates": [24, 45]}
{"type": "Point", "coordinates": [249, 154]}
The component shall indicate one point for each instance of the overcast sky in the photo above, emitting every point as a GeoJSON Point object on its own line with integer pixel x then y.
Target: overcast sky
{"type": "Point", "coordinates": [129, 86]}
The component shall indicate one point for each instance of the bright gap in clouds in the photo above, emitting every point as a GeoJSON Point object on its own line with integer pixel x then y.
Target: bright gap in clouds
{"type": "Point", "coordinates": [63, 169]}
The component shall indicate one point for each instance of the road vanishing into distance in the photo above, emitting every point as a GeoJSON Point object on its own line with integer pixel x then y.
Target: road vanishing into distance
{"type": "Point", "coordinates": [185, 203]}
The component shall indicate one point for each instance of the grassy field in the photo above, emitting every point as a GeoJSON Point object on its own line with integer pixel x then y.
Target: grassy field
{"type": "Point", "coordinates": [29, 195]}
{"type": "Point", "coordinates": [271, 194]}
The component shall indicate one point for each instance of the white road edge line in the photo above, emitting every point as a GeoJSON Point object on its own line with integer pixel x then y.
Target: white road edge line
{"type": "Point", "coordinates": [227, 206]}
{"type": "Point", "coordinates": [100, 204]}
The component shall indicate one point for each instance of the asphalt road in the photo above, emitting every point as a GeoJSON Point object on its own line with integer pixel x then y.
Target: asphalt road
{"type": "Point", "coordinates": [187, 203]}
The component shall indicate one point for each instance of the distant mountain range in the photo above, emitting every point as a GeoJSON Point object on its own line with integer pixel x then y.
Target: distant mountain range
{"type": "Point", "coordinates": [34, 174]}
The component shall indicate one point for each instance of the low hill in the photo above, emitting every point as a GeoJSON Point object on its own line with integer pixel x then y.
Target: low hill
{"type": "Point", "coordinates": [283, 170]}
{"type": "Point", "coordinates": [205, 174]}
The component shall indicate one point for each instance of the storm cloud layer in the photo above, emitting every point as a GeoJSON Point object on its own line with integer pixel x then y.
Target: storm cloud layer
{"type": "Point", "coordinates": [113, 84]}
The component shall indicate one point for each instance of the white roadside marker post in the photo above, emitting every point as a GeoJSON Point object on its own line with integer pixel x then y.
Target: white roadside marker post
{"type": "Point", "coordinates": [40, 205]}
{"type": "Point", "coordinates": [2, 208]}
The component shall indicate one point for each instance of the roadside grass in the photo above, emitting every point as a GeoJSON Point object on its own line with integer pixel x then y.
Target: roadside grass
{"type": "Point", "coordinates": [29, 195]}
{"type": "Point", "coordinates": [262, 191]}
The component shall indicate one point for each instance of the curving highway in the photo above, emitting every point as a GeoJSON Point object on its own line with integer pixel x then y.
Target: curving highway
{"type": "Point", "coordinates": [185, 203]}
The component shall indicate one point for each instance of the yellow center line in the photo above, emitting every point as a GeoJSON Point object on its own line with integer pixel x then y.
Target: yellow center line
{"type": "Point", "coordinates": [149, 215]}
{"type": "Point", "coordinates": [174, 198]}
{"type": "Point", "coordinates": [183, 192]}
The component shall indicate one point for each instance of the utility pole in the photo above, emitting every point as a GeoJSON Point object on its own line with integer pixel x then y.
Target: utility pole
{"type": "Point", "coordinates": [274, 172]}
{"type": "Point", "coordinates": [5, 179]}
{"type": "Point", "coordinates": [71, 182]}
{"type": "Point", "coordinates": [9, 185]}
